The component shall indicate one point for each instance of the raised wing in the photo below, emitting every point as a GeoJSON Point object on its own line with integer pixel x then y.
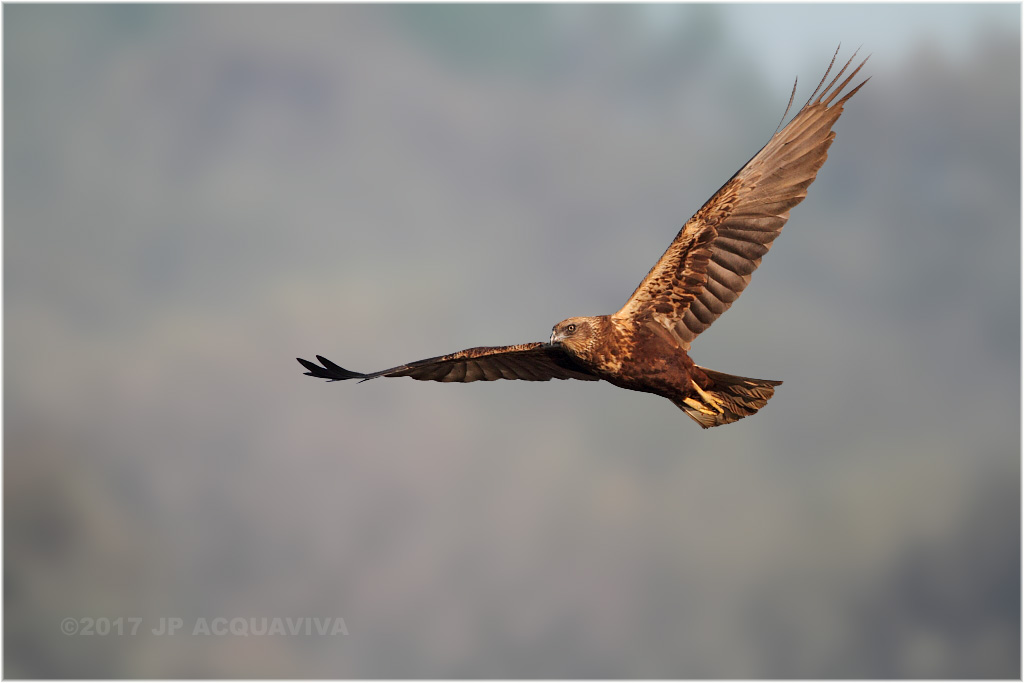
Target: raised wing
{"type": "Point", "coordinates": [535, 362]}
{"type": "Point", "coordinates": [709, 263]}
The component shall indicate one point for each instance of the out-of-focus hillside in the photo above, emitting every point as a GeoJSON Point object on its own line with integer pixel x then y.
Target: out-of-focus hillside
{"type": "Point", "coordinates": [195, 195]}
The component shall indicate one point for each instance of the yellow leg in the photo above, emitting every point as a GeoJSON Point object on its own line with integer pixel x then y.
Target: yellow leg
{"type": "Point", "coordinates": [698, 406]}
{"type": "Point", "coordinates": [711, 400]}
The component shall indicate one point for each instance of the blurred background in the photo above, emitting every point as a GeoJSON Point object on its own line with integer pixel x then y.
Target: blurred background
{"type": "Point", "coordinates": [195, 195]}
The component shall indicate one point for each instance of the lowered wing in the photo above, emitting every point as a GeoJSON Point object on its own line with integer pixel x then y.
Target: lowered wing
{"type": "Point", "coordinates": [534, 362]}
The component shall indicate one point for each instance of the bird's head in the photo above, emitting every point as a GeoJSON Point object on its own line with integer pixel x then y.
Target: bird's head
{"type": "Point", "coordinates": [576, 335]}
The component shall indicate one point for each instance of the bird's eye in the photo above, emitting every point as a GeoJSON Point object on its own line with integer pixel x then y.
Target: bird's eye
{"type": "Point", "coordinates": [570, 328]}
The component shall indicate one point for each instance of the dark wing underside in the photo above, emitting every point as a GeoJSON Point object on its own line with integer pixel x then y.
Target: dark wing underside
{"type": "Point", "coordinates": [709, 263]}
{"type": "Point", "coordinates": [535, 362]}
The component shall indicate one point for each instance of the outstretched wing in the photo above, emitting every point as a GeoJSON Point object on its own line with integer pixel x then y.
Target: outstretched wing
{"type": "Point", "coordinates": [709, 263]}
{"type": "Point", "coordinates": [535, 362]}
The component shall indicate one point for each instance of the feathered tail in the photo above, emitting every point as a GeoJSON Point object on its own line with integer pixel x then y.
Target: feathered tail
{"type": "Point", "coordinates": [728, 399]}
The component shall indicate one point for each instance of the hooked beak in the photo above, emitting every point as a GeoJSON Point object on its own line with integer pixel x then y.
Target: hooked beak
{"type": "Point", "coordinates": [553, 340]}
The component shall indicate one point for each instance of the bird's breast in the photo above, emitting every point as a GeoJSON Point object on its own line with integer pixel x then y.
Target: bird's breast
{"type": "Point", "coordinates": [636, 358]}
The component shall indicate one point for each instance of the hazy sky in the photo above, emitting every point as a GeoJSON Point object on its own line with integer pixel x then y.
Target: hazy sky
{"type": "Point", "coordinates": [882, 30]}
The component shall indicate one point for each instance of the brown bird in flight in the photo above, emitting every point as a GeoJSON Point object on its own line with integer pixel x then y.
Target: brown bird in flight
{"type": "Point", "coordinates": [644, 345]}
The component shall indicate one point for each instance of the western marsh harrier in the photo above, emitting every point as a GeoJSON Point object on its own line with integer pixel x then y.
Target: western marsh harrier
{"type": "Point", "coordinates": [644, 345]}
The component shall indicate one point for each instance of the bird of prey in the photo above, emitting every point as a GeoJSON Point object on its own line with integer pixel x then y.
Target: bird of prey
{"type": "Point", "coordinates": [644, 345]}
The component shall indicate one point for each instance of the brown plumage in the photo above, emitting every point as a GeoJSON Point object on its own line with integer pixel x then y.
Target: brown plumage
{"type": "Point", "coordinates": [644, 345]}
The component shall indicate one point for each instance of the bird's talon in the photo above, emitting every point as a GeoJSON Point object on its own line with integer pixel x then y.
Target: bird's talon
{"type": "Point", "coordinates": [712, 401]}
